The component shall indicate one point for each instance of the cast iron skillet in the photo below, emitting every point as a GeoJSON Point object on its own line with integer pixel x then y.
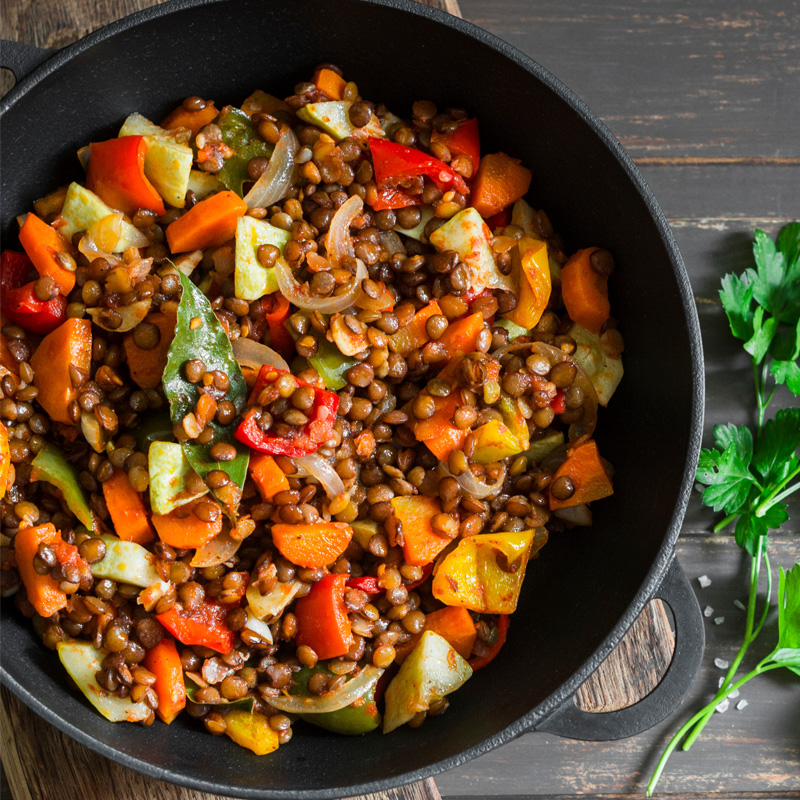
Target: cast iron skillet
{"type": "Point", "coordinates": [584, 592]}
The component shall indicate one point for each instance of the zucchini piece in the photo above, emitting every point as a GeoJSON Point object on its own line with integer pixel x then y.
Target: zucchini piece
{"type": "Point", "coordinates": [544, 446]}
{"type": "Point", "coordinates": [50, 465]}
{"type": "Point", "coordinates": [204, 184]}
{"type": "Point", "coordinates": [333, 116]}
{"type": "Point", "coordinates": [269, 605]}
{"type": "Point", "coordinates": [83, 208]}
{"type": "Point", "coordinates": [82, 661]}
{"type": "Point", "coordinates": [251, 280]}
{"type": "Point", "coordinates": [470, 237]}
{"type": "Point", "coordinates": [126, 562]}
{"type": "Point", "coordinates": [604, 371]}
{"type": "Point", "coordinates": [167, 162]}
{"type": "Point", "coordinates": [426, 215]}
{"type": "Point", "coordinates": [432, 670]}
{"type": "Point", "coordinates": [169, 468]}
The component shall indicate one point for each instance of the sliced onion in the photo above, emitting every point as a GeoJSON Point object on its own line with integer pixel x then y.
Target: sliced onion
{"type": "Point", "coordinates": [317, 467]}
{"type": "Point", "coordinates": [349, 693]}
{"type": "Point", "coordinates": [339, 242]}
{"type": "Point", "coordinates": [130, 315]}
{"type": "Point", "coordinates": [274, 601]}
{"type": "Point", "coordinates": [277, 179]}
{"type": "Point", "coordinates": [92, 432]}
{"type": "Point", "coordinates": [219, 550]}
{"type": "Point", "coordinates": [250, 353]}
{"type": "Point", "coordinates": [259, 627]}
{"type": "Point", "coordinates": [577, 515]}
{"type": "Point", "coordinates": [290, 288]}
{"type": "Point", "coordinates": [469, 483]}
{"type": "Point", "coordinates": [586, 424]}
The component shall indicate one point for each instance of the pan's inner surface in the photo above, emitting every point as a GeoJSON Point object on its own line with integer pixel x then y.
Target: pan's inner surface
{"type": "Point", "coordinates": [584, 582]}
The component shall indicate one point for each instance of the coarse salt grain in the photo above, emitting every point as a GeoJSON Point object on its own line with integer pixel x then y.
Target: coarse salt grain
{"type": "Point", "coordinates": [740, 605]}
{"type": "Point", "coordinates": [704, 581]}
{"type": "Point", "coordinates": [734, 694]}
{"type": "Point", "coordinates": [723, 706]}
{"type": "Point", "coordinates": [721, 681]}
{"type": "Point", "coordinates": [742, 704]}
{"type": "Point", "coordinates": [708, 611]}
{"type": "Point", "coordinates": [721, 663]}
{"type": "Point", "coordinates": [719, 620]}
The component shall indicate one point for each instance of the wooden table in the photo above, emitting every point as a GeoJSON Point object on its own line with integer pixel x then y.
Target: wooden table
{"type": "Point", "coordinates": [706, 98]}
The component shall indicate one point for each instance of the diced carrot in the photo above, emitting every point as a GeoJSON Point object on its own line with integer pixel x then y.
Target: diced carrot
{"type": "Point", "coordinates": [414, 335]}
{"type": "Point", "coordinates": [70, 344]}
{"type": "Point", "coordinates": [531, 274]}
{"type": "Point", "coordinates": [146, 367]}
{"type": "Point", "coordinates": [6, 359]}
{"type": "Point", "coordinates": [183, 529]}
{"type": "Point", "coordinates": [453, 623]}
{"type": "Point", "coordinates": [312, 545]}
{"type": "Point", "coordinates": [585, 291]}
{"type": "Point", "coordinates": [5, 460]}
{"type": "Point", "coordinates": [267, 475]}
{"type": "Point", "coordinates": [421, 544]}
{"type": "Point", "coordinates": [461, 335]}
{"type": "Point", "coordinates": [501, 181]}
{"type": "Point", "coordinates": [322, 621]}
{"type": "Point", "coordinates": [164, 662]}
{"type": "Point", "coordinates": [330, 82]}
{"type": "Point", "coordinates": [192, 120]}
{"type": "Point", "coordinates": [588, 473]}
{"type": "Point", "coordinates": [42, 244]}
{"type": "Point", "coordinates": [43, 592]}
{"type": "Point", "coordinates": [439, 432]}
{"type": "Point", "coordinates": [128, 512]}
{"type": "Point", "coordinates": [209, 223]}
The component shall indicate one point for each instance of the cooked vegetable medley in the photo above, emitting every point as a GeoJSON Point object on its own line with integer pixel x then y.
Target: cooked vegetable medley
{"type": "Point", "coordinates": [291, 395]}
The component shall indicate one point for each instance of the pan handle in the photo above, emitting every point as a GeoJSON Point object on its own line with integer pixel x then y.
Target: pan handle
{"type": "Point", "coordinates": [22, 58]}
{"type": "Point", "coordinates": [571, 722]}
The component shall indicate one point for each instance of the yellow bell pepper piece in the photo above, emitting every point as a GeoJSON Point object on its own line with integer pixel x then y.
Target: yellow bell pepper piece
{"type": "Point", "coordinates": [494, 442]}
{"type": "Point", "coordinates": [251, 731]}
{"type": "Point", "coordinates": [531, 275]}
{"type": "Point", "coordinates": [470, 576]}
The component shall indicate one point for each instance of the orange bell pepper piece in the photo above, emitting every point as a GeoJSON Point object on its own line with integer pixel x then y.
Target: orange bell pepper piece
{"type": "Point", "coordinates": [587, 471]}
{"type": "Point", "coordinates": [330, 82]}
{"type": "Point", "coordinates": [128, 512]}
{"type": "Point", "coordinates": [312, 545]}
{"type": "Point", "coordinates": [421, 544]}
{"type": "Point", "coordinates": [43, 243]}
{"type": "Point", "coordinates": [116, 175]}
{"type": "Point", "coordinates": [414, 334]}
{"type": "Point", "coordinates": [585, 291]}
{"type": "Point", "coordinates": [322, 621]}
{"type": "Point", "coordinates": [183, 529]}
{"type": "Point", "coordinates": [165, 663]}
{"type": "Point", "coordinates": [192, 120]}
{"type": "Point", "coordinates": [69, 344]}
{"type": "Point", "coordinates": [453, 623]}
{"type": "Point", "coordinates": [461, 335]}
{"type": "Point", "coordinates": [499, 182]}
{"type": "Point", "coordinates": [439, 432]}
{"type": "Point", "coordinates": [209, 223]}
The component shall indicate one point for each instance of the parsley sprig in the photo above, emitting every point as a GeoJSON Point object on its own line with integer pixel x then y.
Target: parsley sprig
{"type": "Point", "coordinates": [748, 478]}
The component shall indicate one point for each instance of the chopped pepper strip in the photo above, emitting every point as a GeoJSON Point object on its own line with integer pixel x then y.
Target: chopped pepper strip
{"type": "Point", "coordinates": [277, 310]}
{"type": "Point", "coordinates": [494, 647]}
{"type": "Point", "coordinates": [321, 417]}
{"type": "Point", "coordinates": [322, 621]}
{"type": "Point", "coordinates": [206, 626]}
{"type": "Point", "coordinates": [20, 305]}
{"type": "Point", "coordinates": [116, 175]}
{"type": "Point", "coordinates": [463, 141]}
{"type": "Point", "coordinates": [43, 244]}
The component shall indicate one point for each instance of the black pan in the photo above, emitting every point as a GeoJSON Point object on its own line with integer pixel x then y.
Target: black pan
{"type": "Point", "coordinates": [587, 588]}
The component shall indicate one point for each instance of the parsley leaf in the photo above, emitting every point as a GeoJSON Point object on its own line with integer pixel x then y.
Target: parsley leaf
{"type": "Point", "coordinates": [789, 243]}
{"type": "Point", "coordinates": [727, 476]}
{"type": "Point", "coordinates": [786, 372]}
{"type": "Point", "coordinates": [774, 457]}
{"type": "Point", "coordinates": [763, 333]}
{"type": "Point", "coordinates": [787, 652]}
{"type": "Point", "coordinates": [736, 295]}
{"type": "Point", "coordinates": [770, 289]}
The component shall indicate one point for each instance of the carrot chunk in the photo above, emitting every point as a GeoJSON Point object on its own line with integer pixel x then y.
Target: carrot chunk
{"type": "Point", "coordinates": [127, 510]}
{"type": "Point", "coordinates": [330, 82]}
{"type": "Point", "coordinates": [182, 528]}
{"type": "Point", "coordinates": [312, 545]}
{"type": "Point", "coordinates": [421, 543]}
{"type": "Point", "coordinates": [588, 473]}
{"type": "Point", "coordinates": [501, 181]}
{"type": "Point", "coordinates": [43, 244]}
{"type": "Point", "coordinates": [209, 223]}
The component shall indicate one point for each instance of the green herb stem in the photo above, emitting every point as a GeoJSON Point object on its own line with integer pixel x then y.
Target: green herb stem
{"type": "Point", "coordinates": [778, 493]}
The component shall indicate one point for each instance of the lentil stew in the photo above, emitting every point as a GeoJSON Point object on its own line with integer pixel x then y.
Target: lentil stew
{"type": "Point", "coordinates": [292, 393]}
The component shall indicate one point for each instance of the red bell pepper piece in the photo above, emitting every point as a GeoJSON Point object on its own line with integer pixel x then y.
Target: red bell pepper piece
{"type": "Point", "coordinates": [20, 305]}
{"type": "Point", "coordinates": [500, 220]}
{"type": "Point", "coordinates": [206, 626]}
{"type": "Point", "coordinates": [395, 198]}
{"type": "Point", "coordinates": [502, 632]}
{"type": "Point", "coordinates": [394, 163]}
{"type": "Point", "coordinates": [426, 573]}
{"type": "Point", "coordinates": [321, 418]}
{"type": "Point", "coordinates": [367, 583]}
{"type": "Point", "coordinates": [558, 403]}
{"type": "Point", "coordinates": [322, 621]}
{"type": "Point", "coordinates": [116, 175]}
{"type": "Point", "coordinates": [277, 310]}
{"type": "Point", "coordinates": [463, 141]}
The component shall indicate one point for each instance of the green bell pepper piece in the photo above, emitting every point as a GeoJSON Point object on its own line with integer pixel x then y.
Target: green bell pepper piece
{"type": "Point", "coordinates": [359, 717]}
{"type": "Point", "coordinates": [329, 363]}
{"type": "Point", "coordinates": [243, 704]}
{"type": "Point", "coordinates": [239, 133]}
{"type": "Point", "coordinates": [51, 466]}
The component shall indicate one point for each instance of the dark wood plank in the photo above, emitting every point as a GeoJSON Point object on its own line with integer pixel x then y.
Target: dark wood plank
{"type": "Point", "coordinates": [671, 78]}
{"type": "Point", "coordinates": [741, 753]}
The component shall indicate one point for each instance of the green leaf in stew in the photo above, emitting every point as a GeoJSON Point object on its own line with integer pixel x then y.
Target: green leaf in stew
{"type": "Point", "coordinates": [239, 133]}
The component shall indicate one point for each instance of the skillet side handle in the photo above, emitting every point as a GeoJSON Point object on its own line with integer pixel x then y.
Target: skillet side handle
{"type": "Point", "coordinates": [571, 722]}
{"type": "Point", "coordinates": [21, 58]}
